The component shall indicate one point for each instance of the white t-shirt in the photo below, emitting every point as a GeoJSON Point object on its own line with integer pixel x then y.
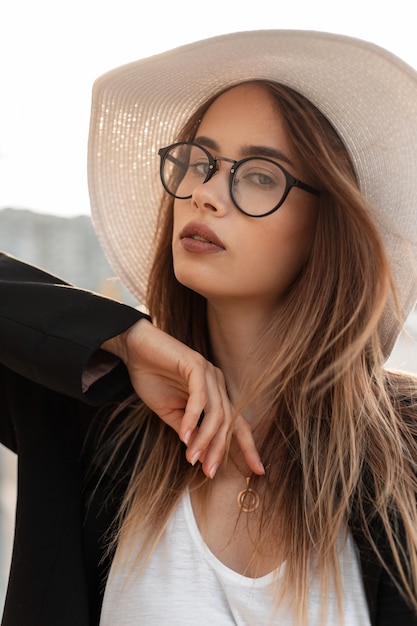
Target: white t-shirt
{"type": "Point", "coordinates": [184, 584]}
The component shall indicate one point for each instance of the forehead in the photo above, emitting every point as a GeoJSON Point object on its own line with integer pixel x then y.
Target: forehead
{"type": "Point", "coordinates": [248, 112]}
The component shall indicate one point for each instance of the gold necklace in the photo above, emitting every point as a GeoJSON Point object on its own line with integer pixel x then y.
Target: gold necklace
{"type": "Point", "coordinates": [247, 499]}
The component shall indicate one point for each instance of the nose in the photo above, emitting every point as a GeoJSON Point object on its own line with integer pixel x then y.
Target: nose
{"type": "Point", "coordinates": [214, 195]}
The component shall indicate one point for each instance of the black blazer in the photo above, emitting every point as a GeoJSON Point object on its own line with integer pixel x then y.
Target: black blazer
{"type": "Point", "coordinates": [48, 332]}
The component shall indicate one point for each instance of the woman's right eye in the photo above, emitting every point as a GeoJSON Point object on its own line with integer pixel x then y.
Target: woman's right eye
{"type": "Point", "coordinates": [200, 168]}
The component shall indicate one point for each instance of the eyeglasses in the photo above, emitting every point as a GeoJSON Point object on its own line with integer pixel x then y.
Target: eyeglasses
{"type": "Point", "coordinates": [258, 185]}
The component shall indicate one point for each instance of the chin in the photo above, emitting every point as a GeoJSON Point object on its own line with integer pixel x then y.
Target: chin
{"type": "Point", "coordinates": [198, 286]}
{"type": "Point", "coordinates": [189, 279]}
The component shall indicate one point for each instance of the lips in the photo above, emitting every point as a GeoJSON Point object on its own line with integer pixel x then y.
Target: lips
{"type": "Point", "coordinates": [201, 235]}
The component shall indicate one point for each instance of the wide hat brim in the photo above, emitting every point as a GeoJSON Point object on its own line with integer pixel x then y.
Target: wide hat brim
{"type": "Point", "coordinates": [368, 94]}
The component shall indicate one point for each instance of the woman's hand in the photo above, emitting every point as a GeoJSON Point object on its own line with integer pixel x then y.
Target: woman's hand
{"type": "Point", "coordinates": [181, 386]}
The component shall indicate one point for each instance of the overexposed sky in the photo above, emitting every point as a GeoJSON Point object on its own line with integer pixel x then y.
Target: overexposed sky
{"type": "Point", "coordinates": [51, 52]}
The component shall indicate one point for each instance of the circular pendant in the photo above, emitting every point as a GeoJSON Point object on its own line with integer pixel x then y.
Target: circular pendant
{"type": "Point", "coordinates": [248, 499]}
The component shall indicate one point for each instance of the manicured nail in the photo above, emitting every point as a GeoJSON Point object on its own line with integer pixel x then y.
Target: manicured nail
{"type": "Point", "coordinates": [187, 436]}
{"type": "Point", "coordinates": [261, 467]}
{"type": "Point", "coordinates": [213, 470]}
{"type": "Point", "coordinates": [195, 457]}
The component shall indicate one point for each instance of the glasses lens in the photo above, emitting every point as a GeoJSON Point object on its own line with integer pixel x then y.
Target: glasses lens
{"type": "Point", "coordinates": [184, 168]}
{"type": "Point", "coordinates": [258, 186]}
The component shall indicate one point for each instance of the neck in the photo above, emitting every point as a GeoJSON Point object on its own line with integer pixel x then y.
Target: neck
{"type": "Point", "coordinates": [234, 331]}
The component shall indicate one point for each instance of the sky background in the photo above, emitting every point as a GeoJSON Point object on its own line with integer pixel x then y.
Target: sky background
{"type": "Point", "coordinates": [51, 52]}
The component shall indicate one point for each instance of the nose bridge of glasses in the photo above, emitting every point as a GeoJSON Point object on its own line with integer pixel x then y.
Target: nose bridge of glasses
{"type": "Point", "coordinates": [216, 168]}
{"type": "Point", "coordinates": [220, 158]}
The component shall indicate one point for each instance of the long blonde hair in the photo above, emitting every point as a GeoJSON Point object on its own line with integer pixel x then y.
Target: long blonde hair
{"type": "Point", "coordinates": [338, 431]}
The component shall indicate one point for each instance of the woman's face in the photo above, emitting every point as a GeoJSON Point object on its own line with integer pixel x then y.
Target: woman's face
{"type": "Point", "coordinates": [221, 253]}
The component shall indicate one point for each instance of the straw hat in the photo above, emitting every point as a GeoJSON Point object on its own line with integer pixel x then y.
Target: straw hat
{"type": "Point", "coordinates": [369, 95]}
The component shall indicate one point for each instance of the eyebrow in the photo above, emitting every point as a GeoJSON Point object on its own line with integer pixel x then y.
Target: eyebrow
{"type": "Point", "coordinates": [247, 150]}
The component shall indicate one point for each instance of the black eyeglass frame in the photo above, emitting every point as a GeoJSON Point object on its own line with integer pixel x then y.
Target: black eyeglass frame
{"type": "Point", "coordinates": [290, 180]}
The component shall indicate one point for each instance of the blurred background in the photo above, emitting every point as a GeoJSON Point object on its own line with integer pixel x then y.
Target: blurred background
{"type": "Point", "coordinates": [50, 54]}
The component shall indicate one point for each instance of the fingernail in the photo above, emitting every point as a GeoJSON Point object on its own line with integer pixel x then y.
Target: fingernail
{"type": "Point", "coordinates": [261, 467]}
{"type": "Point", "coordinates": [187, 436]}
{"type": "Point", "coordinates": [195, 457]}
{"type": "Point", "coordinates": [213, 470]}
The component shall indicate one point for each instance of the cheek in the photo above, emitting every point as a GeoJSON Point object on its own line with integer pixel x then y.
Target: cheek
{"type": "Point", "coordinates": [302, 241]}
{"type": "Point", "coordinates": [286, 248]}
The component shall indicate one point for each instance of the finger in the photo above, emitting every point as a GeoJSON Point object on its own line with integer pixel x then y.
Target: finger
{"type": "Point", "coordinates": [220, 443]}
{"type": "Point", "coordinates": [213, 411]}
{"type": "Point", "coordinates": [246, 442]}
{"type": "Point", "coordinates": [198, 390]}
{"type": "Point", "coordinates": [213, 456]}
{"type": "Point", "coordinates": [205, 398]}
{"type": "Point", "coordinates": [213, 437]}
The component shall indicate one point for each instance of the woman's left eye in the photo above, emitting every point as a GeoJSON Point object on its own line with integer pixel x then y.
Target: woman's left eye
{"type": "Point", "coordinates": [259, 178]}
{"type": "Point", "coordinates": [260, 174]}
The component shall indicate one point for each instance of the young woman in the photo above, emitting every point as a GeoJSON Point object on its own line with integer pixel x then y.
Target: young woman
{"type": "Point", "coordinates": [283, 254]}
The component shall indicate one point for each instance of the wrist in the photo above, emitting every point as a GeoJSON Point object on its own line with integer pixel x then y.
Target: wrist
{"type": "Point", "coordinates": [119, 345]}
{"type": "Point", "coordinates": [114, 345]}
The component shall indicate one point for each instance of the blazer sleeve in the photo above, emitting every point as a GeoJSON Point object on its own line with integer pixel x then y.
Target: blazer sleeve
{"type": "Point", "coordinates": [49, 330]}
